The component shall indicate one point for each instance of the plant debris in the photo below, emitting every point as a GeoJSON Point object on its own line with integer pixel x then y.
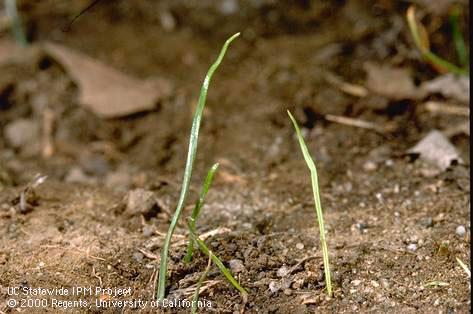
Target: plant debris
{"type": "Point", "coordinates": [103, 89]}
{"type": "Point", "coordinates": [436, 149]}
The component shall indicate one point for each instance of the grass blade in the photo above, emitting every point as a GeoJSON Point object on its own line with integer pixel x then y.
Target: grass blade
{"type": "Point", "coordinates": [15, 22]}
{"type": "Point", "coordinates": [198, 207]}
{"type": "Point", "coordinates": [465, 268]}
{"type": "Point", "coordinates": [436, 283]}
{"type": "Point", "coordinates": [216, 260]}
{"type": "Point", "coordinates": [458, 40]}
{"type": "Point", "coordinates": [194, 136]}
{"type": "Point", "coordinates": [422, 44]}
{"type": "Point", "coordinates": [318, 206]}
{"type": "Point", "coordinates": [199, 284]}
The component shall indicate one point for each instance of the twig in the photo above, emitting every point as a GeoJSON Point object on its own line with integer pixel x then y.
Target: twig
{"type": "Point", "coordinates": [149, 254]}
{"type": "Point", "coordinates": [443, 108]}
{"type": "Point", "coordinates": [48, 125]}
{"type": "Point", "coordinates": [96, 276]}
{"type": "Point", "coordinates": [351, 89]}
{"type": "Point", "coordinates": [301, 262]}
{"type": "Point", "coordinates": [360, 123]}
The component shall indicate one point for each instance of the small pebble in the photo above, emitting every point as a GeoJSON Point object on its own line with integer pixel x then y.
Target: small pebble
{"type": "Point", "coordinates": [283, 271]}
{"type": "Point", "coordinates": [426, 222]}
{"type": "Point", "coordinates": [370, 166]}
{"type": "Point", "coordinates": [228, 7]}
{"type": "Point", "coordinates": [236, 266]}
{"type": "Point", "coordinates": [148, 231]}
{"type": "Point", "coordinates": [21, 132]}
{"type": "Point", "coordinates": [299, 246]}
{"type": "Point", "coordinates": [94, 164]}
{"type": "Point", "coordinates": [273, 287]}
{"type": "Point", "coordinates": [118, 180]}
{"type": "Point", "coordinates": [76, 175]}
{"type": "Point", "coordinates": [287, 291]}
{"type": "Point", "coordinates": [460, 231]}
{"type": "Point", "coordinates": [137, 256]}
{"type": "Point", "coordinates": [385, 283]}
{"type": "Point", "coordinates": [362, 226]}
{"type": "Point", "coordinates": [167, 20]}
{"type": "Point", "coordinates": [412, 247]}
{"type": "Point", "coordinates": [356, 282]}
{"type": "Point", "coordinates": [139, 201]}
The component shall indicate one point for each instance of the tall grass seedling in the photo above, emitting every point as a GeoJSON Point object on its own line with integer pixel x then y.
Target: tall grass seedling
{"type": "Point", "coordinates": [318, 205]}
{"type": "Point", "coordinates": [194, 135]}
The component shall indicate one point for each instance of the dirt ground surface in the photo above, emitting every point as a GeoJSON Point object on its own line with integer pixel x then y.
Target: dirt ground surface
{"type": "Point", "coordinates": [395, 224]}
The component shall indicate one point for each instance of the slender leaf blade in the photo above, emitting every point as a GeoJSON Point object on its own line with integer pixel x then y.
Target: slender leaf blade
{"type": "Point", "coordinates": [198, 206]}
{"type": "Point", "coordinates": [194, 136]}
{"type": "Point", "coordinates": [318, 206]}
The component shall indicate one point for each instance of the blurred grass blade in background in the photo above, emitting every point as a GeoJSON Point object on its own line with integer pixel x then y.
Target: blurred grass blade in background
{"type": "Point", "coordinates": [458, 39]}
{"type": "Point", "coordinates": [421, 40]}
{"type": "Point", "coordinates": [15, 22]}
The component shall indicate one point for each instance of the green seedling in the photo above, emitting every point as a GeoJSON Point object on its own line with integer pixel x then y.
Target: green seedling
{"type": "Point", "coordinates": [195, 299]}
{"type": "Point", "coordinates": [216, 261]}
{"type": "Point", "coordinates": [197, 208]}
{"type": "Point", "coordinates": [194, 136]}
{"type": "Point", "coordinates": [15, 22]}
{"type": "Point", "coordinates": [201, 244]}
{"type": "Point", "coordinates": [421, 40]}
{"type": "Point", "coordinates": [318, 205]}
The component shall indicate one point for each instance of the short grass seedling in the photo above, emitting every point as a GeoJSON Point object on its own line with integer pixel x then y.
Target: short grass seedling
{"type": "Point", "coordinates": [194, 136]}
{"type": "Point", "coordinates": [201, 244]}
{"type": "Point", "coordinates": [318, 205]}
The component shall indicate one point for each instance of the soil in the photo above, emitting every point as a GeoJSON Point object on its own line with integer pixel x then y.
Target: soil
{"type": "Point", "coordinates": [390, 219]}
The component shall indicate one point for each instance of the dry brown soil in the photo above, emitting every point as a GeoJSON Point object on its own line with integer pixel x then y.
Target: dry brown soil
{"type": "Point", "coordinates": [378, 202]}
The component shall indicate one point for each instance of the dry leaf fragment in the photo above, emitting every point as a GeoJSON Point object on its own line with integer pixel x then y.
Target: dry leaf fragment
{"type": "Point", "coordinates": [393, 83]}
{"type": "Point", "coordinates": [436, 149]}
{"type": "Point", "coordinates": [450, 86]}
{"type": "Point", "coordinates": [104, 90]}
